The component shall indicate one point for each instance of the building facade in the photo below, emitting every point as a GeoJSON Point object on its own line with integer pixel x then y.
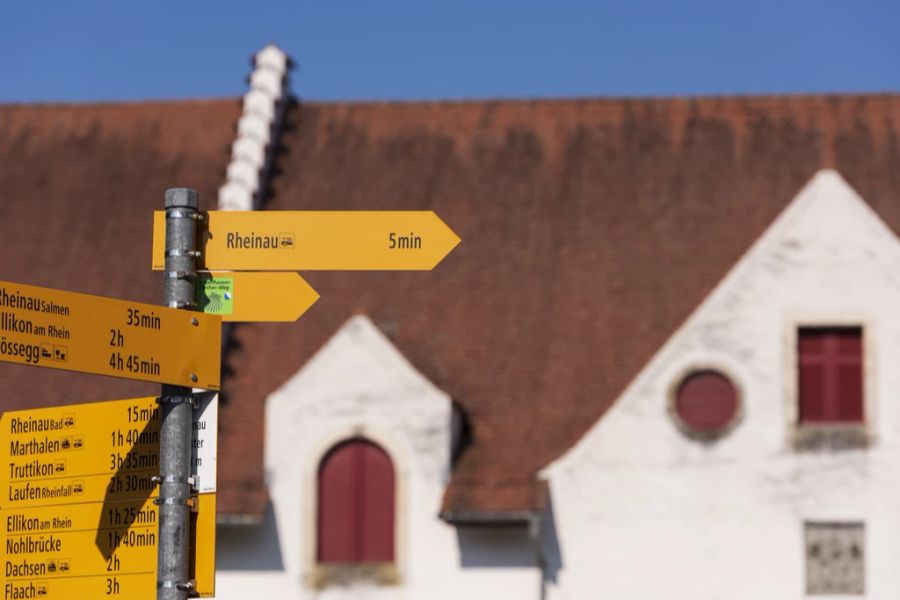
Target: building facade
{"type": "Point", "coordinates": [659, 364]}
{"type": "Point", "coordinates": [785, 500]}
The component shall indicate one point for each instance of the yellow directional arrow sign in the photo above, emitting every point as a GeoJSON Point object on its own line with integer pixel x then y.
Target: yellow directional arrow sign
{"type": "Point", "coordinates": [97, 549]}
{"type": "Point", "coordinates": [255, 296]}
{"type": "Point", "coordinates": [134, 586]}
{"type": "Point", "coordinates": [317, 241]}
{"type": "Point", "coordinates": [93, 334]}
{"type": "Point", "coordinates": [79, 540]}
{"type": "Point", "coordinates": [77, 518]}
{"type": "Point", "coordinates": [80, 453]}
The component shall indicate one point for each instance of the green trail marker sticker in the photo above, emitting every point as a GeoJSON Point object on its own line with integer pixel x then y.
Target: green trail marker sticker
{"type": "Point", "coordinates": [215, 295]}
{"type": "Point", "coordinates": [255, 296]}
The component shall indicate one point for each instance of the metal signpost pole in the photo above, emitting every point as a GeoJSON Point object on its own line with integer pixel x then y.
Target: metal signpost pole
{"type": "Point", "coordinates": [176, 404]}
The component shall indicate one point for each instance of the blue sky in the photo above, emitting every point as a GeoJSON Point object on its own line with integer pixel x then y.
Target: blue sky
{"type": "Point", "coordinates": [406, 49]}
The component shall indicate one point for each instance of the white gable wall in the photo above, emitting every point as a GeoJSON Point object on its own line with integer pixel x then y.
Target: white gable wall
{"type": "Point", "coordinates": [358, 384]}
{"type": "Point", "coordinates": [642, 511]}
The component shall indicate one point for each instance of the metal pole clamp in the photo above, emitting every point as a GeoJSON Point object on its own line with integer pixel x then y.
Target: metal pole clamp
{"type": "Point", "coordinates": [189, 502]}
{"type": "Point", "coordinates": [182, 586]}
{"type": "Point", "coordinates": [192, 399]}
{"type": "Point", "coordinates": [180, 213]}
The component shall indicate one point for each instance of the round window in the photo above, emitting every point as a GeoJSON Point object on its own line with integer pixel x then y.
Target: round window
{"type": "Point", "coordinates": [706, 402]}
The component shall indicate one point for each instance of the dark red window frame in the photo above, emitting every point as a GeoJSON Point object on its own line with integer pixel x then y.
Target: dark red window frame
{"type": "Point", "coordinates": [830, 375]}
{"type": "Point", "coordinates": [706, 402]}
{"type": "Point", "coordinates": [356, 504]}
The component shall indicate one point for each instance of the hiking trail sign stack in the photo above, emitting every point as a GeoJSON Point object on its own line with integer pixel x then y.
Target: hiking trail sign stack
{"type": "Point", "coordinates": [87, 489]}
{"type": "Point", "coordinates": [77, 518]}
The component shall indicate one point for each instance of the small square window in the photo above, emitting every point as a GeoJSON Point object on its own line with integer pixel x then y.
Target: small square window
{"type": "Point", "coordinates": [830, 375]}
{"type": "Point", "coordinates": [835, 558]}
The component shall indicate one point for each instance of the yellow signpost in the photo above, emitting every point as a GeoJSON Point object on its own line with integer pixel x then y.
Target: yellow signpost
{"type": "Point", "coordinates": [130, 586]}
{"type": "Point", "coordinates": [79, 453]}
{"type": "Point", "coordinates": [202, 551]}
{"type": "Point", "coordinates": [93, 334]}
{"type": "Point", "coordinates": [92, 543]}
{"type": "Point", "coordinates": [77, 517]}
{"type": "Point", "coordinates": [255, 296]}
{"type": "Point", "coordinates": [317, 241]}
{"type": "Point", "coordinates": [78, 512]}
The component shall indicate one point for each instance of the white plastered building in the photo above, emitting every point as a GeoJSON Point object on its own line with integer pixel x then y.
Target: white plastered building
{"type": "Point", "coordinates": [645, 511]}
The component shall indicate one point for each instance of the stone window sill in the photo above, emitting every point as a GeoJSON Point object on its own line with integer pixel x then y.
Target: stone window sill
{"type": "Point", "coordinates": [344, 574]}
{"type": "Point", "coordinates": [831, 437]}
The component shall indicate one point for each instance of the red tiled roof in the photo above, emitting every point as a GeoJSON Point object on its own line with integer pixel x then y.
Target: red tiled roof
{"type": "Point", "coordinates": [590, 229]}
{"type": "Point", "coordinates": [78, 184]}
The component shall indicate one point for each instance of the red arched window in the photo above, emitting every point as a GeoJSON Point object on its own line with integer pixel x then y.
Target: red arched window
{"type": "Point", "coordinates": [356, 504]}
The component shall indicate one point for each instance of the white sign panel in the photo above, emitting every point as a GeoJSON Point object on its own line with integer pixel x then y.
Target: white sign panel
{"type": "Point", "coordinates": [204, 438]}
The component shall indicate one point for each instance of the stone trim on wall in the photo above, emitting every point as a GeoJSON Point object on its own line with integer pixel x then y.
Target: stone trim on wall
{"type": "Point", "coordinates": [835, 558]}
{"type": "Point", "coordinates": [683, 373]}
{"type": "Point", "coordinates": [832, 437]}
